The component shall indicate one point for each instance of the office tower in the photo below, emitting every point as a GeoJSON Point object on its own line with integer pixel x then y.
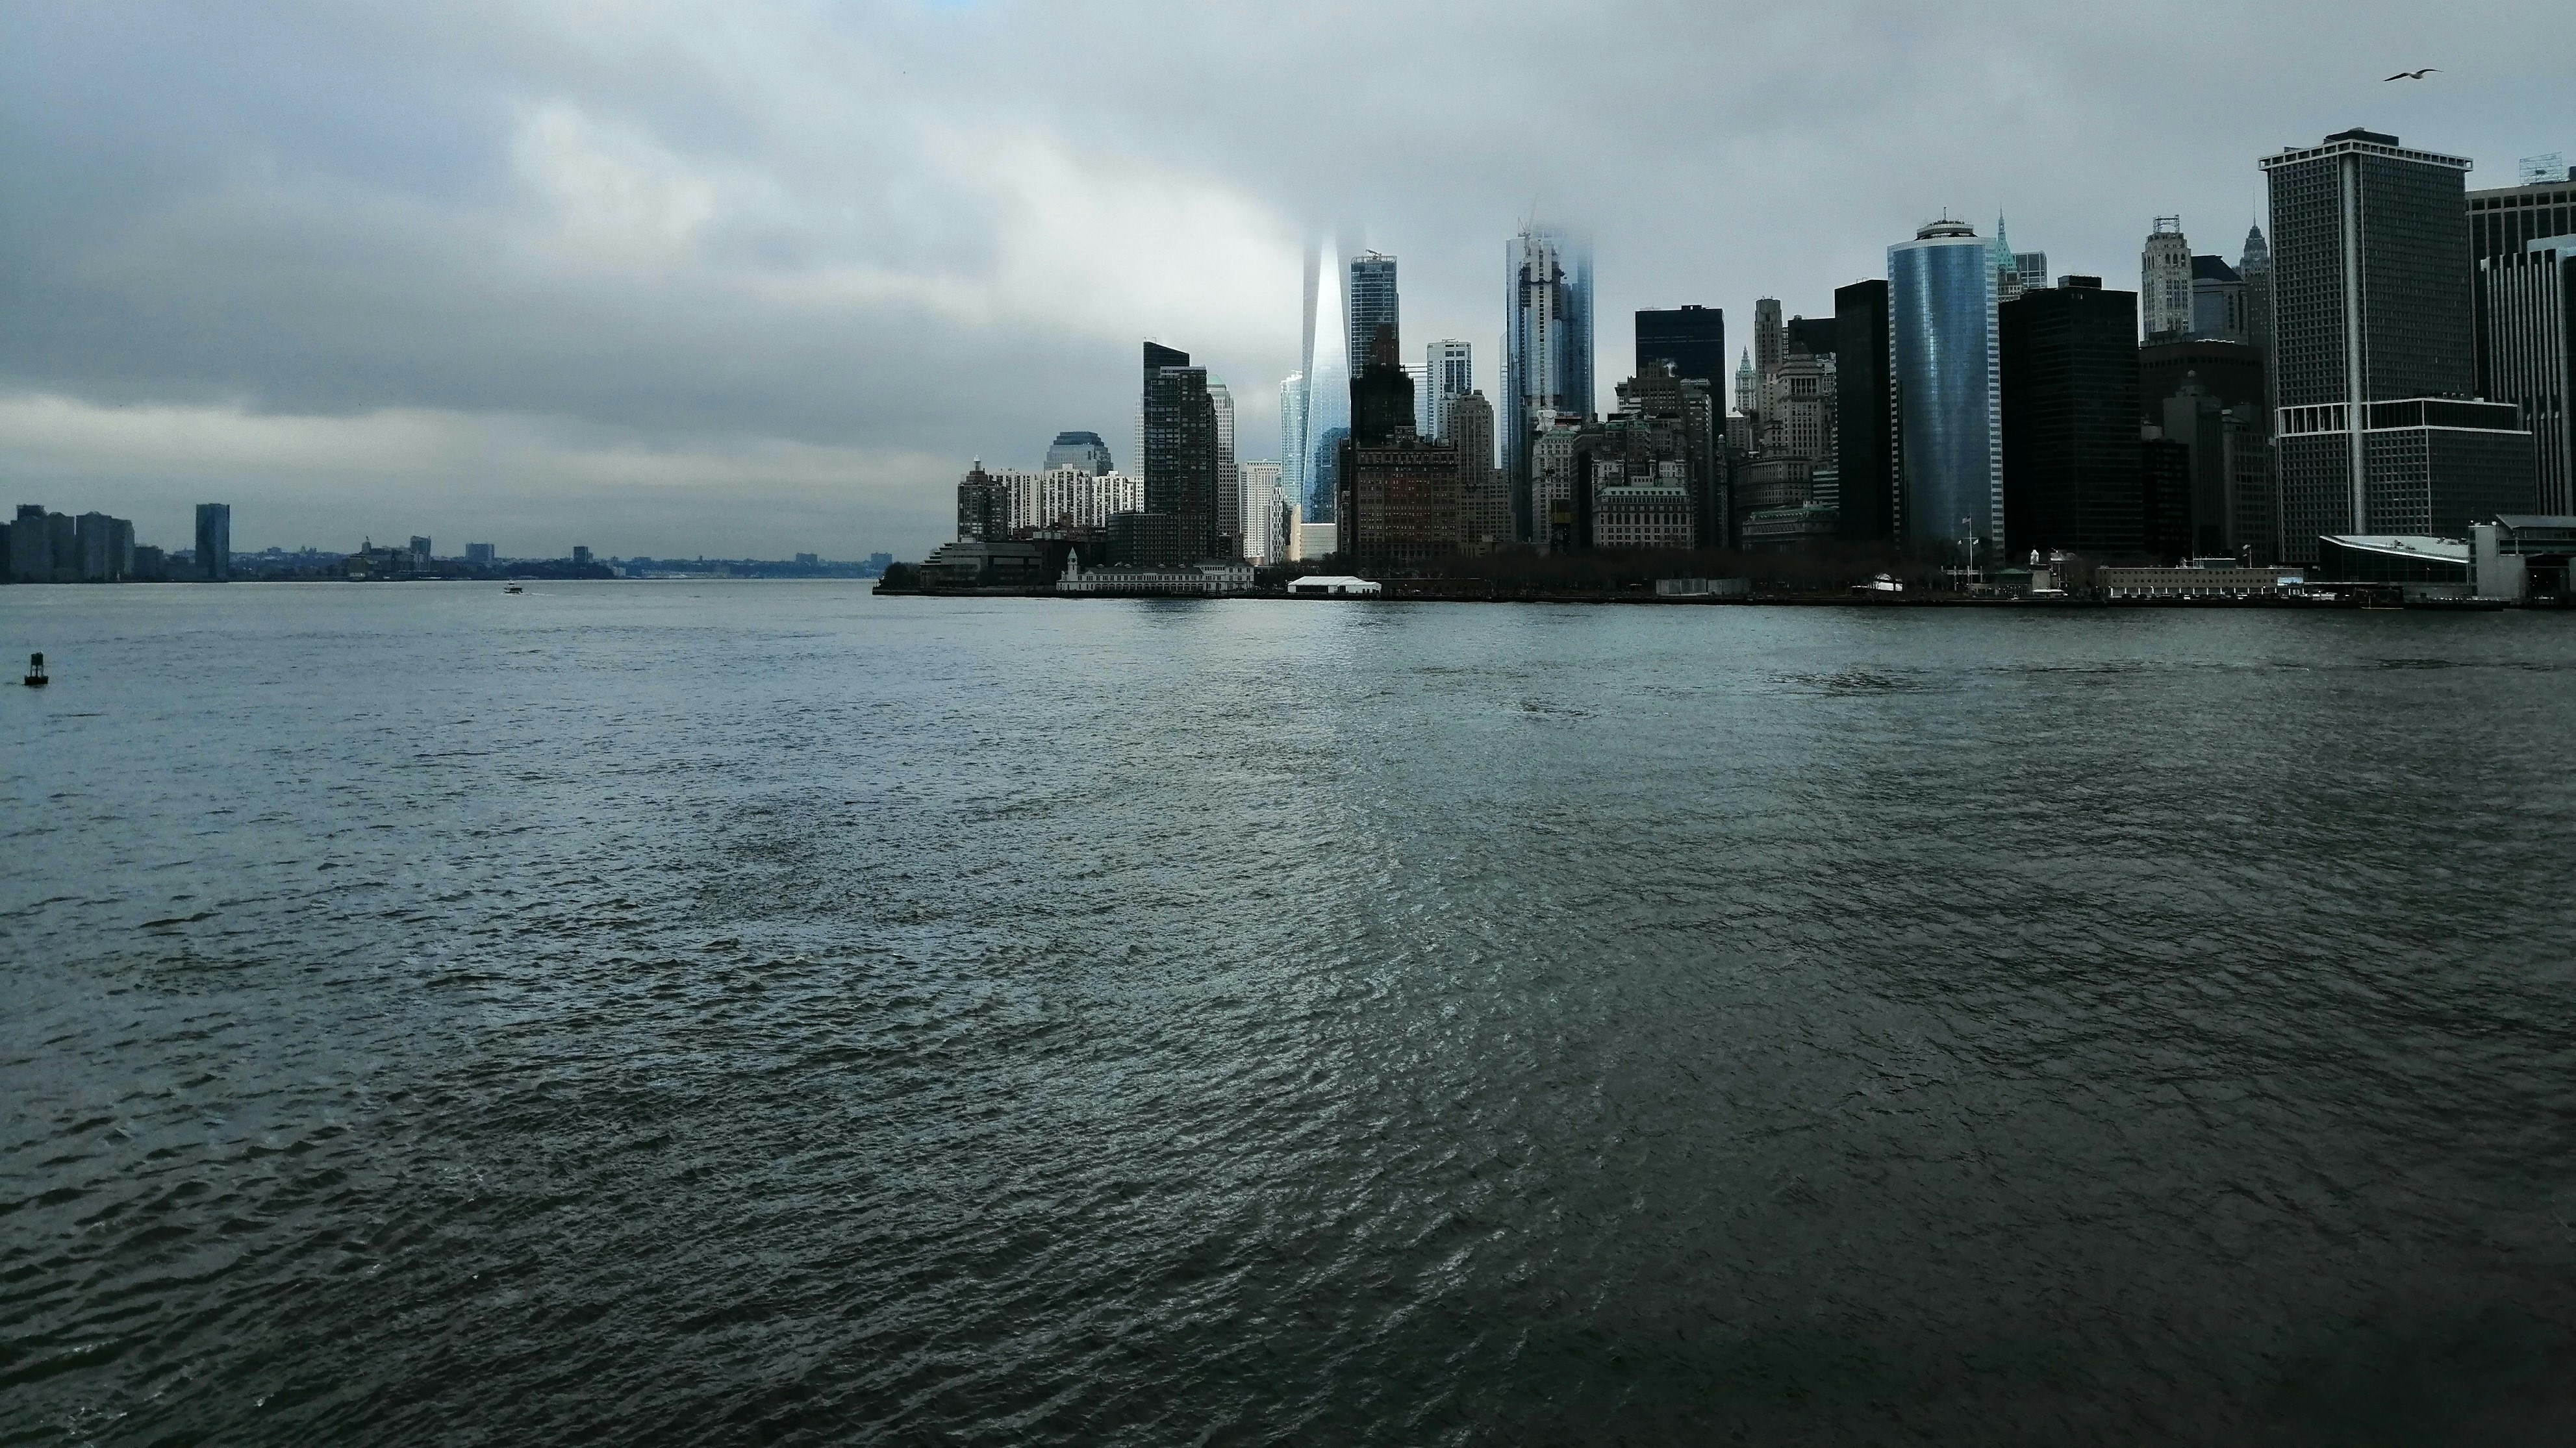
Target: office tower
{"type": "Point", "coordinates": [1547, 353]}
{"type": "Point", "coordinates": [1657, 466]}
{"type": "Point", "coordinates": [1942, 355]}
{"type": "Point", "coordinates": [420, 553]}
{"type": "Point", "coordinates": [2373, 360]}
{"type": "Point", "coordinates": [1748, 387]}
{"type": "Point", "coordinates": [1180, 518]}
{"type": "Point", "coordinates": [2165, 470]}
{"type": "Point", "coordinates": [2217, 301]}
{"type": "Point", "coordinates": [1864, 421]}
{"type": "Point", "coordinates": [479, 555]}
{"type": "Point", "coordinates": [580, 555]}
{"type": "Point", "coordinates": [1259, 524]}
{"type": "Point", "coordinates": [2232, 372]}
{"type": "Point", "coordinates": [1082, 450]}
{"type": "Point", "coordinates": [1403, 495]}
{"type": "Point", "coordinates": [1448, 373]}
{"type": "Point", "coordinates": [1769, 339]}
{"type": "Point", "coordinates": [1691, 340]}
{"type": "Point", "coordinates": [1292, 438]}
{"type": "Point", "coordinates": [1229, 486]}
{"type": "Point", "coordinates": [1328, 385]}
{"type": "Point", "coordinates": [215, 542]}
{"type": "Point", "coordinates": [1815, 336]}
{"type": "Point", "coordinates": [2527, 355]}
{"type": "Point", "coordinates": [2164, 281]}
{"type": "Point", "coordinates": [2255, 266]}
{"type": "Point", "coordinates": [1799, 420]}
{"type": "Point", "coordinates": [2069, 389]}
{"type": "Point", "coordinates": [1372, 305]}
{"type": "Point", "coordinates": [2229, 504]}
{"type": "Point", "coordinates": [2506, 220]}
{"type": "Point", "coordinates": [983, 508]}
{"type": "Point", "coordinates": [1485, 501]}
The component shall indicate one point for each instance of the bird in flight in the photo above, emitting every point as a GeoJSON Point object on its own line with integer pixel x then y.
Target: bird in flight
{"type": "Point", "coordinates": [2412, 74]}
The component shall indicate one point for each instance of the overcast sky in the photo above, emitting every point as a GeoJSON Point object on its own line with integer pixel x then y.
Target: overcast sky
{"type": "Point", "coordinates": [756, 278]}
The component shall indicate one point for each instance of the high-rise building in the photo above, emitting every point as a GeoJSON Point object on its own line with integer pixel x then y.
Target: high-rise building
{"type": "Point", "coordinates": [1864, 417]}
{"type": "Point", "coordinates": [31, 555]}
{"type": "Point", "coordinates": [1292, 438]}
{"type": "Point", "coordinates": [1815, 336]}
{"type": "Point", "coordinates": [1547, 355]}
{"type": "Point", "coordinates": [2373, 358]}
{"type": "Point", "coordinates": [1373, 304]}
{"type": "Point", "coordinates": [420, 553]}
{"type": "Point", "coordinates": [1485, 503]}
{"type": "Point", "coordinates": [2069, 391]}
{"type": "Point", "coordinates": [1327, 417]}
{"type": "Point", "coordinates": [105, 548]}
{"type": "Point", "coordinates": [1943, 357]}
{"type": "Point", "coordinates": [1181, 461]}
{"type": "Point", "coordinates": [2508, 219]}
{"type": "Point", "coordinates": [2527, 355]}
{"type": "Point", "coordinates": [215, 542]}
{"type": "Point", "coordinates": [1403, 495]}
{"type": "Point", "coordinates": [2164, 281]}
{"type": "Point", "coordinates": [1448, 373]}
{"type": "Point", "coordinates": [1229, 485]}
{"type": "Point", "coordinates": [1263, 524]}
{"type": "Point", "coordinates": [479, 555]}
{"type": "Point", "coordinates": [2232, 372]}
{"type": "Point", "coordinates": [2255, 266]}
{"type": "Point", "coordinates": [1770, 340]}
{"type": "Point", "coordinates": [1082, 450]}
{"type": "Point", "coordinates": [2228, 507]}
{"type": "Point", "coordinates": [1748, 387]}
{"type": "Point", "coordinates": [2217, 301]}
{"type": "Point", "coordinates": [1690, 339]}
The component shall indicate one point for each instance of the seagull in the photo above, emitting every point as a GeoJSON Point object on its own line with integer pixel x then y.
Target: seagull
{"type": "Point", "coordinates": [2412, 74]}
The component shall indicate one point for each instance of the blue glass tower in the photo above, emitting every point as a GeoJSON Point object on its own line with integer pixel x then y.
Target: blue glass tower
{"type": "Point", "coordinates": [1945, 373]}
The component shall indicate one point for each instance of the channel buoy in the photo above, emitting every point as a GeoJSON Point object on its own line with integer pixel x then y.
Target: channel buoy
{"type": "Point", "coordinates": [35, 671]}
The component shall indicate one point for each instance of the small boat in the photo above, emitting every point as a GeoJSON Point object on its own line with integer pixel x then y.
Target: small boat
{"type": "Point", "coordinates": [512, 588]}
{"type": "Point", "coordinates": [35, 672]}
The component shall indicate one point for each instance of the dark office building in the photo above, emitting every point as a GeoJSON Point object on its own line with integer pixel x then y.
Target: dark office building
{"type": "Point", "coordinates": [1864, 413]}
{"type": "Point", "coordinates": [2070, 419]}
{"type": "Point", "coordinates": [2373, 325]}
{"type": "Point", "coordinates": [1180, 459]}
{"type": "Point", "coordinates": [1690, 340]}
{"type": "Point", "coordinates": [2506, 221]}
{"type": "Point", "coordinates": [2165, 498]}
{"type": "Point", "coordinates": [215, 542]}
{"type": "Point", "coordinates": [1815, 336]}
{"type": "Point", "coordinates": [1381, 392]}
{"type": "Point", "coordinates": [2232, 372]}
{"type": "Point", "coordinates": [1403, 497]}
{"type": "Point", "coordinates": [2527, 356]}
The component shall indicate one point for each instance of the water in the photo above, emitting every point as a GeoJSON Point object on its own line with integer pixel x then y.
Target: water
{"type": "Point", "coordinates": [764, 1013]}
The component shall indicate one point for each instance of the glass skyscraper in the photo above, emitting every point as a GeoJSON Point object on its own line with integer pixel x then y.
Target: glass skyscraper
{"type": "Point", "coordinates": [1373, 304]}
{"type": "Point", "coordinates": [1547, 347]}
{"type": "Point", "coordinates": [1945, 367]}
{"type": "Point", "coordinates": [1327, 389]}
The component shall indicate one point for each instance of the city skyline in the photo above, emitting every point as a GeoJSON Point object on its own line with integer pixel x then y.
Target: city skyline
{"type": "Point", "coordinates": [517, 295]}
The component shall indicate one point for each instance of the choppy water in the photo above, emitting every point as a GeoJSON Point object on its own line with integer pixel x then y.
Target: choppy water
{"type": "Point", "coordinates": [763, 1013]}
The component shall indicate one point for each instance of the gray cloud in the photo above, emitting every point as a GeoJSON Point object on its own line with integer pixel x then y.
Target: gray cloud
{"type": "Point", "coordinates": [748, 277]}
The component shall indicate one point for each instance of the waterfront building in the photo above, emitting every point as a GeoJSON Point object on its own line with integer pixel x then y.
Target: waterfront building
{"type": "Point", "coordinates": [1652, 510]}
{"type": "Point", "coordinates": [2230, 500]}
{"type": "Point", "coordinates": [1547, 356]}
{"type": "Point", "coordinates": [1212, 578]}
{"type": "Point", "coordinates": [215, 542]}
{"type": "Point", "coordinates": [982, 513]}
{"type": "Point", "coordinates": [2164, 467]}
{"type": "Point", "coordinates": [1664, 435]}
{"type": "Point", "coordinates": [2527, 355]}
{"type": "Point", "coordinates": [1259, 523]}
{"type": "Point", "coordinates": [1316, 540]}
{"type": "Point", "coordinates": [1448, 373]}
{"type": "Point", "coordinates": [1082, 450]}
{"type": "Point", "coordinates": [1403, 495]}
{"type": "Point", "coordinates": [420, 554]}
{"type": "Point", "coordinates": [1864, 415]}
{"type": "Point", "coordinates": [1181, 461]}
{"type": "Point", "coordinates": [2069, 395]}
{"type": "Point", "coordinates": [479, 555]}
{"type": "Point", "coordinates": [104, 548]}
{"type": "Point", "coordinates": [2373, 365]}
{"type": "Point", "coordinates": [31, 556]}
{"type": "Point", "coordinates": [1691, 340]}
{"type": "Point", "coordinates": [2164, 281]}
{"type": "Point", "coordinates": [1943, 357]}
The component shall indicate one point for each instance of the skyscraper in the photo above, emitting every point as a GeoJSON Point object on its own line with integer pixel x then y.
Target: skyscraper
{"type": "Point", "coordinates": [1769, 339]}
{"type": "Point", "coordinates": [1261, 524]}
{"type": "Point", "coordinates": [1485, 504]}
{"type": "Point", "coordinates": [2255, 266]}
{"type": "Point", "coordinates": [2217, 301]}
{"type": "Point", "coordinates": [1372, 305]}
{"type": "Point", "coordinates": [2070, 418]}
{"type": "Point", "coordinates": [1229, 486]}
{"type": "Point", "coordinates": [215, 542]}
{"type": "Point", "coordinates": [1864, 421]}
{"type": "Point", "coordinates": [2527, 354]}
{"type": "Point", "coordinates": [2506, 220]}
{"type": "Point", "coordinates": [1082, 450]}
{"type": "Point", "coordinates": [1292, 439]}
{"type": "Point", "coordinates": [2164, 281]}
{"type": "Point", "coordinates": [2373, 360]}
{"type": "Point", "coordinates": [1943, 356]}
{"type": "Point", "coordinates": [1691, 340]}
{"type": "Point", "coordinates": [1547, 358]}
{"type": "Point", "coordinates": [1448, 373]}
{"type": "Point", "coordinates": [1180, 522]}
{"type": "Point", "coordinates": [1748, 386]}
{"type": "Point", "coordinates": [1328, 384]}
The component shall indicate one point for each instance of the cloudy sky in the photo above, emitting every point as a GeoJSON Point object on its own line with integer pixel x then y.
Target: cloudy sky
{"type": "Point", "coordinates": [752, 278]}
